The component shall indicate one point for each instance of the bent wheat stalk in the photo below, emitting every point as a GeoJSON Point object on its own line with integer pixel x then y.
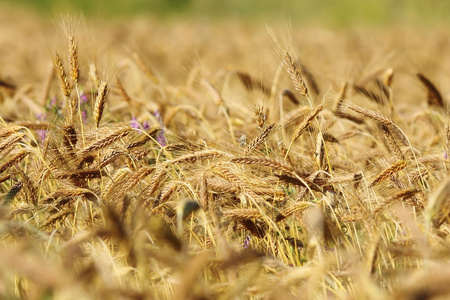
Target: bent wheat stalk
{"type": "Point", "coordinates": [389, 171]}
{"type": "Point", "coordinates": [106, 141]}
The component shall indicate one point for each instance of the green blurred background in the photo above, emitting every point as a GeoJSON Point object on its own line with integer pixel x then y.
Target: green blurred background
{"type": "Point", "coordinates": [327, 12]}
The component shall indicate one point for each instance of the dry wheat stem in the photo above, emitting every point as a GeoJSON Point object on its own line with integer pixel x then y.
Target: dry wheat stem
{"type": "Point", "coordinates": [299, 206]}
{"type": "Point", "coordinates": [116, 183]}
{"type": "Point", "coordinates": [190, 158]}
{"type": "Point", "coordinates": [94, 75]}
{"type": "Point", "coordinates": [83, 174]}
{"type": "Point", "coordinates": [259, 139]}
{"type": "Point", "coordinates": [233, 178]}
{"type": "Point", "coordinates": [342, 95]}
{"type": "Point", "coordinates": [106, 141]}
{"type": "Point", "coordinates": [136, 177]}
{"type": "Point", "coordinates": [265, 161]}
{"type": "Point", "coordinates": [149, 134]}
{"type": "Point", "coordinates": [272, 163]}
{"type": "Point", "coordinates": [73, 59]}
{"type": "Point", "coordinates": [434, 97]}
{"type": "Point", "coordinates": [302, 126]}
{"type": "Point", "coordinates": [389, 171]}
{"type": "Point", "coordinates": [7, 145]}
{"type": "Point", "coordinates": [110, 156]}
{"type": "Point", "coordinates": [13, 160]}
{"type": "Point", "coordinates": [66, 192]}
{"type": "Point", "coordinates": [122, 91]}
{"type": "Point", "coordinates": [7, 131]}
{"type": "Point", "coordinates": [242, 214]}
{"type": "Point", "coordinates": [155, 182]}
{"type": "Point", "coordinates": [37, 125]}
{"type": "Point", "coordinates": [372, 114]}
{"type": "Point", "coordinates": [391, 142]}
{"type": "Point", "coordinates": [64, 81]}
{"type": "Point", "coordinates": [100, 102]}
{"type": "Point", "coordinates": [258, 112]}
{"type": "Point", "coordinates": [295, 74]}
{"type": "Point", "coordinates": [145, 69]}
{"type": "Point", "coordinates": [306, 122]}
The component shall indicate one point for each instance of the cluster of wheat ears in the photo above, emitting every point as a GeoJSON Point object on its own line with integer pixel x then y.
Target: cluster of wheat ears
{"type": "Point", "coordinates": [128, 187]}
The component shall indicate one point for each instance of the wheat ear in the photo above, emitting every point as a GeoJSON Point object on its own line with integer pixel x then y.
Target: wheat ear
{"type": "Point", "coordinates": [295, 74]}
{"type": "Point", "coordinates": [13, 160]}
{"type": "Point", "coordinates": [64, 81]}
{"type": "Point", "coordinates": [259, 139]}
{"type": "Point", "coordinates": [73, 59]}
{"type": "Point", "coordinates": [242, 214]}
{"type": "Point", "coordinates": [100, 101]}
{"type": "Point", "coordinates": [372, 114]}
{"type": "Point", "coordinates": [106, 141]}
{"type": "Point", "coordinates": [434, 97]}
{"type": "Point", "coordinates": [386, 173]}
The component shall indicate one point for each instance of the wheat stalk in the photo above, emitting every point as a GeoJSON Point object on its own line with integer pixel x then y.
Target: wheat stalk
{"type": "Point", "coordinates": [136, 177]}
{"type": "Point", "coordinates": [73, 59]}
{"type": "Point", "coordinates": [155, 182]}
{"type": "Point", "coordinates": [265, 161]}
{"type": "Point", "coordinates": [110, 156]}
{"type": "Point", "coordinates": [64, 81]}
{"type": "Point", "coordinates": [84, 174]}
{"type": "Point", "coordinates": [298, 206]}
{"type": "Point", "coordinates": [150, 133]}
{"type": "Point", "coordinates": [145, 69]}
{"type": "Point", "coordinates": [233, 178]}
{"type": "Point", "coordinates": [295, 74]}
{"type": "Point", "coordinates": [434, 97]}
{"type": "Point", "coordinates": [242, 214]}
{"type": "Point", "coordinates": [258, 112]}
{"type": "Point", "coordinates": [13, 160]}
{"type": "Point", "coordinates": [106, 141]}
{"type": "Point", "coordinates": [389, 171]}
{"type": "Point", "coordinates": [342, 95]}
{"type": "Point", "coordinates": [372, 114]}
{"type": "Point", "coordinates": [94, 75]}
{"type": "Point", "coordinates": [67, 192]}
{"type": "Point", "coordinates": [100, 101]}
{"type": "Point", "coordinates": [7, 131]}
{"type": "Point", "coordinates": [306, 122]}
{"type": "Point", "coordinates": [7, 145]}
{"type": "Point", "coordinates": [391, 142]}
{"type": "Point", "coordinates": [190, 158]}
{"type": "Point", "coordinates": [122, 91]}
{"type": "Point", "coordinates": [116, 183]}
{"type": "Point", "coordinates": [259, 139]}
{"type": "Point", "coordinates": [70, 137]}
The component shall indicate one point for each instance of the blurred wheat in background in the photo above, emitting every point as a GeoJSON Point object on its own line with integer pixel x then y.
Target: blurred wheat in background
{"type": "Point", "coordinates": [235, 150]}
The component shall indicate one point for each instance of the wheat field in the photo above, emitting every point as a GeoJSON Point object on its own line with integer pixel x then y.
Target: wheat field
{"type": "Point", "coordinates": [142, 159]}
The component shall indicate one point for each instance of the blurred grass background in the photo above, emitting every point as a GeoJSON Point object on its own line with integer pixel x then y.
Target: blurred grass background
{"type": "Point", "coordinates": [326, 12]}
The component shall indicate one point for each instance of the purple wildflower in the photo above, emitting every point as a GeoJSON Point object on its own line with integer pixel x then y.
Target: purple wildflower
{"type": "Point", "coordinates": [135, 123]}
{"type": "Point", "coordinates": [41, 116]}
{"type": "Point", "coordinates": [53, 101]}
{"type": "Point", "coordinates": [84, 116]}
{"type": "Point", "coordinates": [83, 98]}
{"type": "Point", "coordinates": [246, 242]}
{"type": "Point", "coordinates": [41, 132]}
{"type": "Point", "coordinates": [445, 155]}
{"type": "Point", "coordinates": [160, 138]}
{"type": "Point", "coordinates": [158, 116]}
{"type": "Point", "coordinates": [145, 125]}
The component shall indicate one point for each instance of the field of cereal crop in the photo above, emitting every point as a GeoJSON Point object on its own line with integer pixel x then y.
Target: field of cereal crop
{"type": "Point", "coordinates": [188, 157]}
